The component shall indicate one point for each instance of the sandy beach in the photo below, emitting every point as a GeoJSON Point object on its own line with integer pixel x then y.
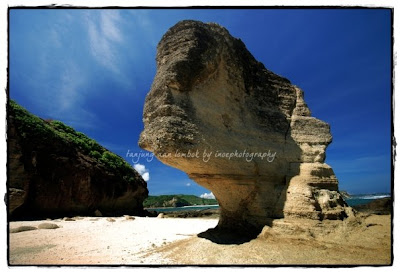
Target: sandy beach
{"type": "Point", "coordinates": [96, 240]}
{"type": "Point", "coordinates": [151, 241]}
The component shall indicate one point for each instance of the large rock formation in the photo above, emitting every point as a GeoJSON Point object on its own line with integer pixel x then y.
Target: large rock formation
{"type": "Point", "coordinates": [210, 96]}
{"type": "Point", "coordinates": [55, 171]}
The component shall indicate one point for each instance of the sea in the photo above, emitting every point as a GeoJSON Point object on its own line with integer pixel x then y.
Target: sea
{"type": "Point", "coordinates": [353, 200]}
{"type": "Point", "coordinates": [184, 208]}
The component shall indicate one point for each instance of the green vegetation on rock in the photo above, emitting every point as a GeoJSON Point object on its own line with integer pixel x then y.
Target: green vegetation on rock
{"type": "Point", "coordinates": [176, 201]}
{"type": "Point", "coordinates": [52, 130]}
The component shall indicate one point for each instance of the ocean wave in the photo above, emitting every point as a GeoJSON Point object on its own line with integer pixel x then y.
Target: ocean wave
{"type": "Point", "coordinates": [369, 196]}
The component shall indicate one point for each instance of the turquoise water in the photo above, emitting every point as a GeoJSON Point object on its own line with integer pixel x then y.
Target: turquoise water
{"type": "Point", "coordinates": [352, 201]}
{"type": "Point", "coordinates": [185, 208]}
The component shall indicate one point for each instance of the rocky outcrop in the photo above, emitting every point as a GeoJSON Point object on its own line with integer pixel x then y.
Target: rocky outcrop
{"type": "Point", "coordinates": [55, 171]}
{"type": "Point", "coordinates": [377, 206]}
{"type": "Point", "coordinates": [238, 129]}
{"type": "Point", "coordinates": [344, 194]}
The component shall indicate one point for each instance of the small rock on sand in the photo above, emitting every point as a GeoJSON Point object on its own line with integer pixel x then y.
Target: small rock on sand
{"type": "Point", "coordinates": [48, 226]}
{"type": "Point", "coordinates": [98, 213]}
{"type": "Point", "coordinates": [160, 215]}
{"type": "Point", "coordinates": [22, 228]}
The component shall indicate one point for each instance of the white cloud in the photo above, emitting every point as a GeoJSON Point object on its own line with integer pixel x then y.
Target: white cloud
{"type": "Point", "coordinates": [58, 82]}
{"type": "Point", "coordinates": [188, 184]}
{"type": "Point", "coordinates": [208, 195]}
{"type": "Point", "coordinates": [103, 37]}
{"type": "Point", "coordinates": [146, 176]}
{"type": "Point", "coordinates": [70, 82]}
{"type": "Point", "coordinates": [109, 21]}
{"type": "Point", "coordinates": [142, 170]}
{"type": "Point", "coordinates": [55, 37]}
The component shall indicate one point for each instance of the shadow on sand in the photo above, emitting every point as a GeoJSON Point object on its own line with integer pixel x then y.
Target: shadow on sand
{"type": "Point", "coordinates": [228, 237]}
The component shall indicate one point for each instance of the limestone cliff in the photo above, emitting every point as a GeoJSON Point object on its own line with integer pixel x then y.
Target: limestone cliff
{"type": "Point", "coordinates": [55, 171]}
{"type": "Point", "coordinates": [238, 129]}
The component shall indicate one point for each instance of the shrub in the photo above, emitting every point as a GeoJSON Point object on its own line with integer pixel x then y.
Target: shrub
{"type": "Point", "coordinates": [30, 127]}
{"type": "Point", "coordinates": [95, 154]}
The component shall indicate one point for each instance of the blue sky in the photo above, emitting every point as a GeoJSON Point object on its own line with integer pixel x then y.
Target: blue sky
{"type": "Point", "coordinates": [93, 68]}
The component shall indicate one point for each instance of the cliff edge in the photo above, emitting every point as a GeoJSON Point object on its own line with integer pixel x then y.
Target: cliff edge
{"type": "Point", "coordinates": [54, 170]}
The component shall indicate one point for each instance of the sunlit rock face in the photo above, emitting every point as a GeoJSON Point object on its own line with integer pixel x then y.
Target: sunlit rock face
{"type": "Point", "coordinates": [237, 129]}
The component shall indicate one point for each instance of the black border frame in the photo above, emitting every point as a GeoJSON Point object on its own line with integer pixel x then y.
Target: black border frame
{"type": "Point", "coordinates": [393, 138]}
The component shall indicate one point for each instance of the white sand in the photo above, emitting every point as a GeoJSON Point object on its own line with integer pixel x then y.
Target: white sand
{"type": "Point", "coordinates": [91, 240]}
{"type": "Point", "coordinates": [146, 241]}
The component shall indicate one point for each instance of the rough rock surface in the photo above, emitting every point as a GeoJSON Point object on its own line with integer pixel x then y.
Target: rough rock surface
{"type": "Point", "coordinates": [50, 173]}
{"type": "Point", "coordinates": [210, 96]}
